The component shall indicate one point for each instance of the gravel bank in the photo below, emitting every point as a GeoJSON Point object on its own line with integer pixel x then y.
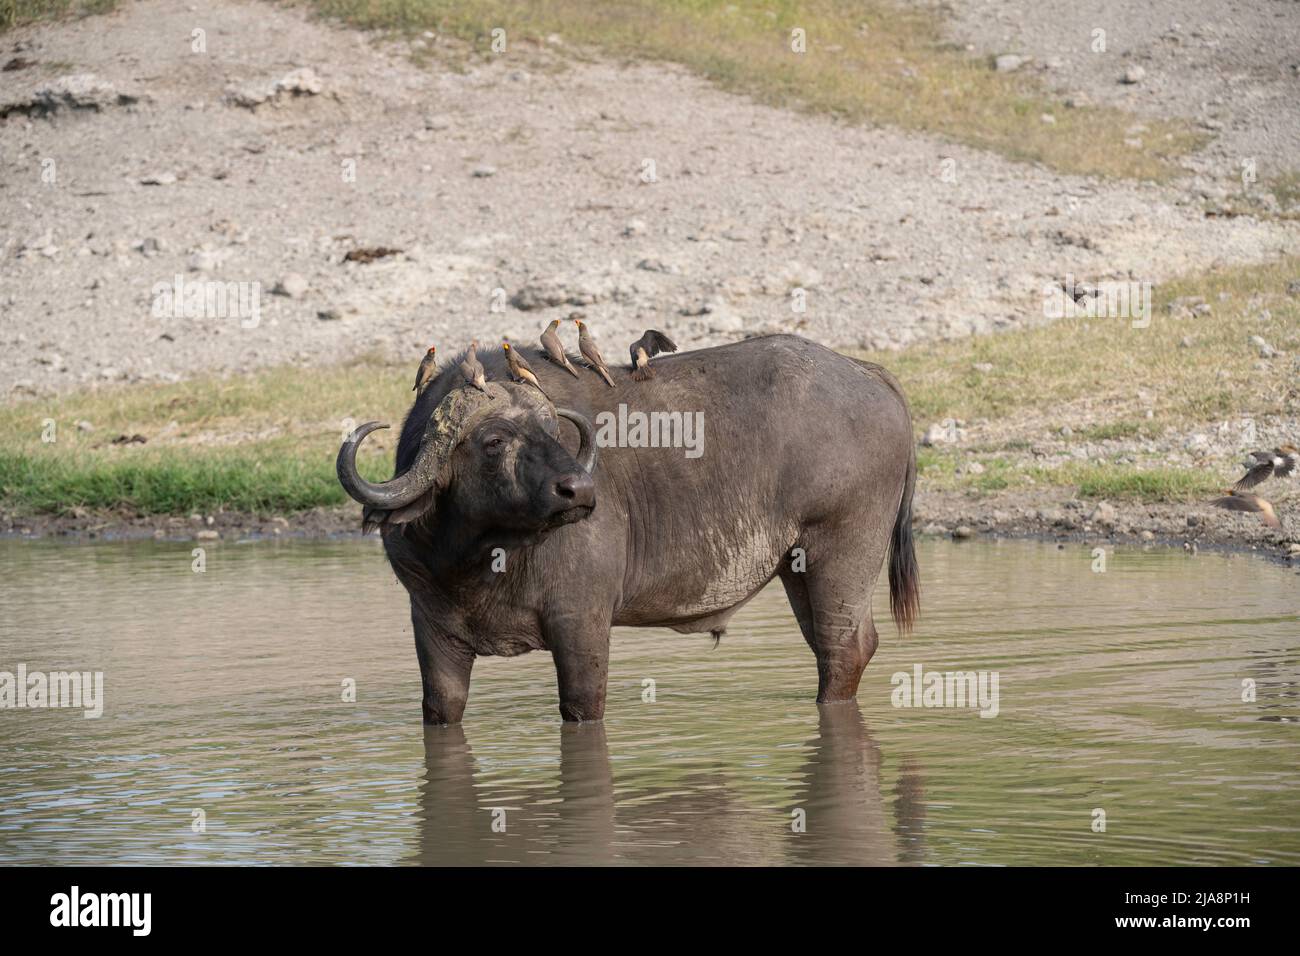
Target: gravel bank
{"type": "Point", "coordinates": [1230, 66]}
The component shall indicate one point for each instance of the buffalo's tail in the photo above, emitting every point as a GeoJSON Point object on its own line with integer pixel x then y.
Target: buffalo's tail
{"type": "Point", "coordinates": [904, 575]}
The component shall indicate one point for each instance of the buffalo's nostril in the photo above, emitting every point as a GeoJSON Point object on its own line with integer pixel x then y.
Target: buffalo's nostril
{"type": "Point", "coordinates": [577, 489]}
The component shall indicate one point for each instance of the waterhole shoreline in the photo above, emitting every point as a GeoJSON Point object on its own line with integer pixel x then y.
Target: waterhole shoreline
{"type": "Point", "coordinates": [1042, 516]}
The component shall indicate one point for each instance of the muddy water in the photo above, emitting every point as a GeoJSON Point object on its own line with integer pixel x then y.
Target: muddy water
{"type": "Point", "coordinates": [225, 737]}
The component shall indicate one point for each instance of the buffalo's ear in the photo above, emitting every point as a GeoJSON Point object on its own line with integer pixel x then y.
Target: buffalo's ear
{"type": "Point", "coordinates": [372, 518]}
{"type": "Point", "coordinates": [416, 509]}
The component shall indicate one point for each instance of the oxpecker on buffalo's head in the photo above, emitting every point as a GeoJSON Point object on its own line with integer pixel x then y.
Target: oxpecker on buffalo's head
{"type": "Point", "coordinates": [487, 460]}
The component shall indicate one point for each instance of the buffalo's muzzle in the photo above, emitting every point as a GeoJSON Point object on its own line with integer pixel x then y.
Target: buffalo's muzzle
{"type": "Point", "coordinates": [576, 490]}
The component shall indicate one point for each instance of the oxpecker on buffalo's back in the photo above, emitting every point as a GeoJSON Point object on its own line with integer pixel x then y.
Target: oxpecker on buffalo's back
{"type": "Point", "coordinates": [520, 371]}
{"type": "Point", "coordinates": [426, 369]}
{"type": "Point", "coordinates": [471, 369]}
{"type": "Point", "coordinates": [554, 348]}
{"type": "Point", "coordinates": [591, 352]}
{"type": "Point", "coordinates": [644, 349]}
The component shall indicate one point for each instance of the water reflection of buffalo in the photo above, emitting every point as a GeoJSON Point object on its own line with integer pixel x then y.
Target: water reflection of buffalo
{"type": "Point", "coordinates": [837, 787]}
{"type": "Point", "coordinates": [507, 542]}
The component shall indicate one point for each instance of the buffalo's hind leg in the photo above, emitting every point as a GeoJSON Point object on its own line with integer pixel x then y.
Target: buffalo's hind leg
{"type": "Point", "coordinates": [444, 671]}
{"type": "Point", "coordinates": [834, 613]}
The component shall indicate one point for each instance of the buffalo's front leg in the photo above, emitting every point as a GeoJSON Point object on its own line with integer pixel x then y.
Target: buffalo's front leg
{"type": "Point", "coordinates": [581, 653]}
{"type": "Point", "coordinates": [445, 667]}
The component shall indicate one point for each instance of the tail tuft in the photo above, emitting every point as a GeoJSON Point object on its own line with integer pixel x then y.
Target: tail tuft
{"type": "Point", "coordinates": [904, 575]}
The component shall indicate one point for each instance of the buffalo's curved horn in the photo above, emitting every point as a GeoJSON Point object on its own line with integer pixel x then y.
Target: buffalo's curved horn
{"type": "Point", "coordinates": [586, 438]}
{"type": "Point", "coordinates": [398, 492]}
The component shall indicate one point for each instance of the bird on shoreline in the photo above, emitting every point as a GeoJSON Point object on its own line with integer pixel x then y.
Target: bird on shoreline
{"type": "Point", "coordinates": [650, 344]}
{"type": "Point", "coordinates": [519, 368]}
{"type": "Point", "coordinates": [554, 348]}
{"type": "Point", "coordinates": [1234, 500]}
{"type": "Point", "coordinates": [1262, 465]}
{"type": "Point", "coordinates": [425, 372]}
{"type": "Point", "coordinates": [587, 346]}
{"type": "Point", "coordinates": [472, 369]}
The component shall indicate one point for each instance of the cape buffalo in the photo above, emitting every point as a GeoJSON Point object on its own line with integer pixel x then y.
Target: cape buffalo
{"type": "Point", "coordinates": [507, 542]}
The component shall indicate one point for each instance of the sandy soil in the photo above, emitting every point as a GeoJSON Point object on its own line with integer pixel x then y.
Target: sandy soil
{"type": "Point", "coordinates": [525, 175]}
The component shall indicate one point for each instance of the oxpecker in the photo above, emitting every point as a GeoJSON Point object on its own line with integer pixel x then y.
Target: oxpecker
{"type": "Point", "coordinates": [425, 372]}
{"type": "Point", "coordinates": [554, 348]}
{"type": "Point", "coordinates": [644, 349]}
{"type": "Point", "coordinates": [587, 346]}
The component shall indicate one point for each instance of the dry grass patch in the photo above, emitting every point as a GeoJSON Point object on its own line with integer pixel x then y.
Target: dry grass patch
{"type": "Point", "coordinates": [1184, 368]}
{"type": "Point", "coordinates": [16, 13]}
{"type": "Point", "coordinates": [868, 61]}
{"type": "Point", "coordinates": [267, 441]}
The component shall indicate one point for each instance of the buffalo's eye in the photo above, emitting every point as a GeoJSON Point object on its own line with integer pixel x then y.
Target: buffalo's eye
{"type": "Point", "coordinates": [494, 444]}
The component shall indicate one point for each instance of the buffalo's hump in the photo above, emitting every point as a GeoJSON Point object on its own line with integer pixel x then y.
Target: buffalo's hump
{"type": "Point", "coordinates": [769, 388]}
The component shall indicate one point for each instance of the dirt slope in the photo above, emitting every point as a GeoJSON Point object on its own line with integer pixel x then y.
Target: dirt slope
{"type": "Point", "coordinates": [525, 175]}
